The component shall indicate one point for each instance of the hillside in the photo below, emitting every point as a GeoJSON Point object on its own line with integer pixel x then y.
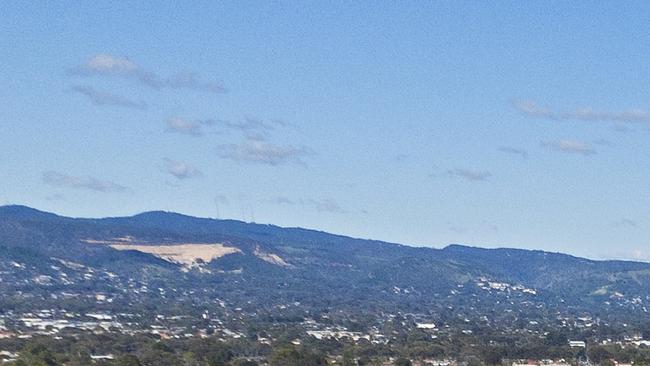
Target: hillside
{"type": "Point", "coordinates": [172, 262]}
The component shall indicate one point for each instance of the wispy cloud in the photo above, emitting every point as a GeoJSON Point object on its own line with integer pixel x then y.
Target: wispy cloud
{"type": "Point", "coordinates": [322, 205]}
{"type": "Point", "coordinates": [181, 170]}
{"type": "Point", "coordinates": [514, 151]}
{"type": "Point", "coordinates": [193, 81]}
{"type": "Point", "coordinates": [532, 109]}
{"type": "Point", "coordinates": [253, 128]}
{"type": "Point", "coordinates": [104, 98]}
{"type": "Point", "coordinates": [261, 152]}
{"type": "Point", "coordinates": [85, 182]}
{"type": "Point", "coordinates": [187, 127]}
{"type": "Point", "coordinates": [624, 222]}
{"type": "Point", "coordinates": [326, 205]}
{"type": "Point", "coordinates": [469, 175]}
{"type": "Point", "coordinates": [284, 201]}
{"type": "Point", "coordinates": [569, 147]}
{"type": "Point", "coordinates": [250, 128]}
{"type": "Point", "coordinates": [109, 65]}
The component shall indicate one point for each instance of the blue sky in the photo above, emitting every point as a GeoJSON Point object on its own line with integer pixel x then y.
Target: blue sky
{"type": "Point", "coordinates": [513, 124]}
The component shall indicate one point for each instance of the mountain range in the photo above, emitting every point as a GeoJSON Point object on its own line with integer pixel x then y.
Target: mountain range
{"type": "Point", "coordinates": [168, 261]}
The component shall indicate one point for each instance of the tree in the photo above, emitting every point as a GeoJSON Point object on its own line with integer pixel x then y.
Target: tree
{"type": "Point", "coordinates": [607, 362]}
{"type": "Point", "coordinates": [645, 330]}
{"type": "Point", "coordinates": [642, 359]}
{"type": "Point", "coordinates": [364, 361]}
{"type": "Point", "coordinates": [348, 358]}
{"type": "Point", "coordinates": [289, 356]}
{"type": "Point", "coordinates": [494, 355]}
{"type": "Point", "coordinates": [402, 362]}
{"type": "Point", "coordinates": [598, 354]}
{"type": "Point", "coordinates": [556, 338]}
{"type": "Point", "coordinates": [36, 355]}
{"type": "Point", "coordinates": [127, 360]}
{"type": "Point", "coordinates": [245, 363]}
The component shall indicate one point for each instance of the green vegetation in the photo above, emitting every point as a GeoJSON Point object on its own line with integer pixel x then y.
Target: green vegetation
{"type": "Point", "coordinates": [124, 350]}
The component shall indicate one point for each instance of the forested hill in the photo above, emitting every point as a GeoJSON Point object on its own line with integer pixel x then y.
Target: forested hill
{"type": "Point", "coordinates": [269, 265]}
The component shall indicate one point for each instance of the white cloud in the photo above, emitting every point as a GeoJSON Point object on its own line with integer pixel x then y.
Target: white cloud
{"type": "Point", "coordinates": [86, 182]}
{"type": "Point", "coordinates": [533, 109]}
{"type": "Point", "coordinates": [181, 170]}
{"type": "Point", "coordinates": [469, 175]}
{"type": "Point", "coordinates": [569, 147]}
{"type": "Point", "coordinates": [184, 126]}
{"type": "Point", "coordinates": [326, 205]}
{"type": "Point", "coordinates": [253, 128]}
{"type": "Point", "coordinates": [104, 98]}
{"type": "Point", "coordinates": [109, 65]}
{"type": "Point", "coordinates": [261, 152]}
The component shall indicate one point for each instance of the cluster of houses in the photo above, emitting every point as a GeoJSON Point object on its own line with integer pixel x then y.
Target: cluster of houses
{"type": "Point", "coordinates": [54, 322]}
